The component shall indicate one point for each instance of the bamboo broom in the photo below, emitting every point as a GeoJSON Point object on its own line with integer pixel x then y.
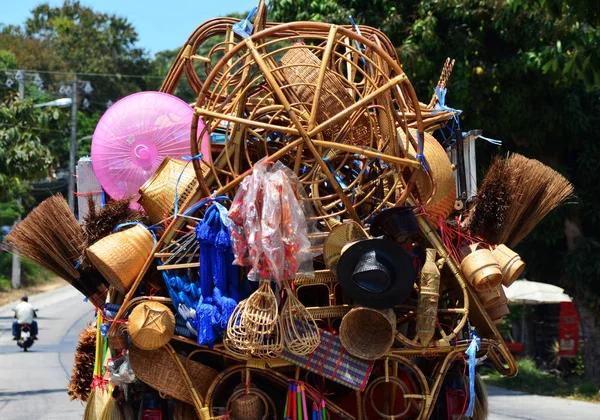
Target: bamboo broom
{"type": "Point", "coordinates": [515, 195]}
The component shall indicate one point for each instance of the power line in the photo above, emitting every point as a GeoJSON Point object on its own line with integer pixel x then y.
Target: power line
{"type": "Point", "coordinates": [64, 73]}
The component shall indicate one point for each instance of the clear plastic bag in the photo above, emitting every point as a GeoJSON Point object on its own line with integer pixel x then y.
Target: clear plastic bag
{"type": "Point", "coordinates": [120, 370]}
{"type": "Point", "coordinates": [271, 227]}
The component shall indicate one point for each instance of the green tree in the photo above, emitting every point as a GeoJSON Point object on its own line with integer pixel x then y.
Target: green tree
{"type": "Point", "coordinates": [527, 72]}
{"type": "Point", "coordinates": [91, 42]}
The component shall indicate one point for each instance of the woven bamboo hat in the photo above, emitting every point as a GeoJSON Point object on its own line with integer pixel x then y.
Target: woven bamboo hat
{"type": "Point", "coordinates": [151, 325]}
{"type": "Point", "coordinates": [157, 195]}
{"type": "Point", "coordinates": [368, 333]}
{"type": "Point", "coordinates": [435, 185]}
{"type": "Point", "coordinates": [119, 257]}
{"type": "Point", "coordinates": [339, 237]}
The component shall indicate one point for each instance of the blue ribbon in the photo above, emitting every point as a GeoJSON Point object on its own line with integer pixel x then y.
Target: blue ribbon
{"type": "Point", "coordinates": [441, 106]}
{"type": "Point", "coordinates": [244, 28]}
{"type": "Point", "coordinates": [420, 156]}
{"type": "Point", "coordinates": [472, 353]}
{"type": "Point", "coordinates": [358, 46]}
{"type": "Point", "coordinates": [149, 228]}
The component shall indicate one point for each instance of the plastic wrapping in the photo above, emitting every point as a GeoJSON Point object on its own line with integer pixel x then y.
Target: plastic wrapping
{"type": "Point", "coordinates": [270, 224]}
{"type": "Point", "coordinates": [429, 293]}
{"type": "Point", "coordinates": [120, 370]}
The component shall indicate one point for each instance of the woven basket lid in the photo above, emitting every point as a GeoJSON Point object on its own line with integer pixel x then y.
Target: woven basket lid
{"type": "Point", "coordinates": [119, 257]}
{"type": "Point", "coordinates": [338, 238]}
{"type": "Point", "coordinates": [151, 325]}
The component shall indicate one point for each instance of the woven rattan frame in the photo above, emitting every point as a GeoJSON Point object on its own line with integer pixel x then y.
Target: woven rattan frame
{"type": "Point", "coordinates": [277, 108]}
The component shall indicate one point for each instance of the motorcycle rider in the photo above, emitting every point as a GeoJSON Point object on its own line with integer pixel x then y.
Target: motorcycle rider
{"type": "Point", "coordinates": [24, 313]}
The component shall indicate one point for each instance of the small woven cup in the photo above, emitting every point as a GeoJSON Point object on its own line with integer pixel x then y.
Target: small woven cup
{"type": "Point", "coordinates": [481, 269]}
{"type": "Point", "coordinates": [489, 296]}
{"type": "Point", "coordinates": [151, 325]}
{"type": "Point", "coordinates": [510, 263]}
{"type": "Point", "coordinates": [157, 195]}
{"type": "Point", "coordinates": [499, 308]}
{"type": "Point", "coordinates": [119, 257]}
{"type": "Point", "coordinates": [368, 333]}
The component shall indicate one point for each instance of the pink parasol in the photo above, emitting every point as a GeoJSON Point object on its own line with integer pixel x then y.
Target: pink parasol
{"type": "Point", "coordinates": [134, 136]}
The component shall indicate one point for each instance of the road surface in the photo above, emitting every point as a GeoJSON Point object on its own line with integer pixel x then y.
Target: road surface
{"type": "Point", "coordinates": [509, 405]}
{"type": "Point", "coordinates": [33, 384]}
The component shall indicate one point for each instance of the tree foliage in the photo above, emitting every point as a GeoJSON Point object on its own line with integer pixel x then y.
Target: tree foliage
{"type": "Point", "coordinates": [91, 42]}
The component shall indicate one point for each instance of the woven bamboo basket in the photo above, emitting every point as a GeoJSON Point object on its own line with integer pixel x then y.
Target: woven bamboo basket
{"type": "Point", "coordinates": [157, 369]}
{"type": "Point", "coordinates": [157, 195]}
{"type": "Point", "coordinates": [481, 269]}
{"type": "Point", "coordinates": [510, 263]}
{"type": "Point", "coordinates": [368, 333]}
{"type": "Point", "coordinates": [250, 404]}
{"type": "Point", "coordinates": [301, 68]}
{"type": "Point", "coordinates": [119, 257]}
{"type": "Point", "coordinates": [151, 325]}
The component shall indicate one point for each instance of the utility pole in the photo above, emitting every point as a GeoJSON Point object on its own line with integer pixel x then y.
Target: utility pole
{"type": "Point", "coordinates": [73, 149]}
{"type": "Point", "coordinates": [15, 279]}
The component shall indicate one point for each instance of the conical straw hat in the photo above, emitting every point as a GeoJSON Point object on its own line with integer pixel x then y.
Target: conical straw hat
{"type": "Point", "coordinates": [151, 325]}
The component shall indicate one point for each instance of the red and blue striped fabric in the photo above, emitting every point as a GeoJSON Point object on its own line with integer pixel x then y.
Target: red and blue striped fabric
{"type": "Point", "coordinates": [333, 362]}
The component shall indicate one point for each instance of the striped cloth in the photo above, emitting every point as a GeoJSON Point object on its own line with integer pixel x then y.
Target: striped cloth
{"type": "Point", "coordinates": [333, 362]}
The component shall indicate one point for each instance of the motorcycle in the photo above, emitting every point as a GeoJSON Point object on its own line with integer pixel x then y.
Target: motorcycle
{"type": "Point", "coordinates": [25, 339]}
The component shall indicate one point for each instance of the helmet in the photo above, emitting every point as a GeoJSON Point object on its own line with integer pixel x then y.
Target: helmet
{"type": "Point", "coordinates": [25, 299]}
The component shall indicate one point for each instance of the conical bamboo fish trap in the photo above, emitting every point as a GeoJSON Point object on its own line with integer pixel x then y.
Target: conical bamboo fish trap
{"type": "Point", "coordinates": [314, 106]}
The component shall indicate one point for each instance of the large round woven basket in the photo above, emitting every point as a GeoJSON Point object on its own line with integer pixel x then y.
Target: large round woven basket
{"type": "Point", "coordinates": [119, 257]}
{"type": "Point", "coordinates": [157, 369]}
{"type": "Point", "coordinates": [157, 195]}
{"type": "Point", "coordinates": [368, 333]}
{"type": "Point", "coordinates": [151, 325]}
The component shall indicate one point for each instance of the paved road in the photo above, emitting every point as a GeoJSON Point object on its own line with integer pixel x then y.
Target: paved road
{"type": "Point", "coordinates": [509, 405]}
{"type": "Point", "coordinates": [33, 384]}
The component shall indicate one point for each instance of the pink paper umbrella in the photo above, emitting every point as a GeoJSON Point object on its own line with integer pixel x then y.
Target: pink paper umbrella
{"type": "Point", "coordinates": [135, 135]}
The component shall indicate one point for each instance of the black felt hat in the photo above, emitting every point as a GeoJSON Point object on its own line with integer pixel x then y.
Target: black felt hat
{"type": "Point", "coordinates": [376, 273]}
{"type": "Point", "coordinates": [397, 222]}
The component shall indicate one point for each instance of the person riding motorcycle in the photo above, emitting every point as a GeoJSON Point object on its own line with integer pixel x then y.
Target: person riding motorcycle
{"type": "Point", "coordinates": [24, 313]}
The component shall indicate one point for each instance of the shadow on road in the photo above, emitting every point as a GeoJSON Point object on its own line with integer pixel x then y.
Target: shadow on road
{"type": "Point", "coordinates": [9, 394]}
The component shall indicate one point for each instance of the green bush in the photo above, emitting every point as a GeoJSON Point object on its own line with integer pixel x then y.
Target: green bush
{"type": "Point", "coordinates": [31, 273]}
{"type": "Point", "coordinates": [533, 380]}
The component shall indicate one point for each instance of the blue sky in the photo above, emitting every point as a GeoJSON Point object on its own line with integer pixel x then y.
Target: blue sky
{"type": "Point", "coordinates": [160, 24]}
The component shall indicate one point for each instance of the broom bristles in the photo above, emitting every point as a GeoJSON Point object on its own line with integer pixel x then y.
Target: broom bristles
{"type": "Point", "coordinates": [515, 195]}
{"type": "Point", "coordinates": [50, 236]}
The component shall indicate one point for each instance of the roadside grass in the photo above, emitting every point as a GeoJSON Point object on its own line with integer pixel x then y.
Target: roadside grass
{"type": "Point", "coordinates": [532, 380]}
